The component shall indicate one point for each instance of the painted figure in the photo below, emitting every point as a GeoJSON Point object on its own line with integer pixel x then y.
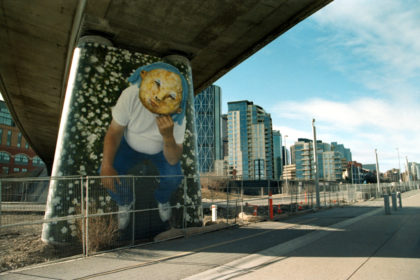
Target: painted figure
{"type": "Point", "coordinates": [148, 123]}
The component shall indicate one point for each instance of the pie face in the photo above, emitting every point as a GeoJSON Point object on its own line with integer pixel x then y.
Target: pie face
{"type": "Point", "coordinates": [161, 91]}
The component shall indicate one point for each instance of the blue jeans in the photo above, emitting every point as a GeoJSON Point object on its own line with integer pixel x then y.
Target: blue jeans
{"type": "Point", "coordinates": [126, 158]}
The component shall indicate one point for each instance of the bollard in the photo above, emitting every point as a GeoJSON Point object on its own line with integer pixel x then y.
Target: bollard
{"type": "Point", "coordinates": [399, 199]}
{"type": "Point", "coordinates": [394, 201]}
{"type": "Point", "coordinates": [386, 203]}
{"type": "Point", "coordinates": [213, 213]}
{"type": "Point", "coordinates": [255, 211]}
{"type": "Point", "coordinates": [279, 211]}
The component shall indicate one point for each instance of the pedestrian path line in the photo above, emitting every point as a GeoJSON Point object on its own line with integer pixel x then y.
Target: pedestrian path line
{"type": "Point", "coordinates": [195, 251]}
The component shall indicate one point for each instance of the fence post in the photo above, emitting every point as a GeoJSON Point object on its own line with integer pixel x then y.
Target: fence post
{"type": "Point", "coordinates": [1, 198]}
{"type": "Point", "coordinates": [227, 203]}
{"type": "Point", "coordinates": [82, 212]}
{"type": "Point", "coordinates": [184, 214]}
{"type": "Point", "coordinates": [87, 215]}
{"type": "Point", "coordinates": [133, 231]}
{"type": "Point", "coordinates": [242, 196]}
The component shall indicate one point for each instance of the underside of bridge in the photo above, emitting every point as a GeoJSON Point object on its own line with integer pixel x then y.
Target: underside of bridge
{"type": "Point", "coordinates": [38, 38]}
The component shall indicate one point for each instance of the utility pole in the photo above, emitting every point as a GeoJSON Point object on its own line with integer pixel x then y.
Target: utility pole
{"type": "Point", "coordinates": [318, 202]}
{"type": "Point", "coordinates": [408, 170]}
{"type": "Point", "coordinates": [286, 161]}
{"type": "Point", "coordinates": [399, 165]}
{"type": "Point", "coordinates": [377, 171]}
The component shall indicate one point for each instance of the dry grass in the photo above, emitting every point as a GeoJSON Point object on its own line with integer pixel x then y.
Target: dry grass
{"type": "Point", "coordinates": [102, 231]}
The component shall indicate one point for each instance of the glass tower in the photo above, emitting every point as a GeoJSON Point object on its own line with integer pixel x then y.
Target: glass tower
{"type": "Point", "coordinates": [250, 140]}
{"type": "Point", "coordinates": [209, 130]}
{"type": "Point", "coordinates": [277, 154]}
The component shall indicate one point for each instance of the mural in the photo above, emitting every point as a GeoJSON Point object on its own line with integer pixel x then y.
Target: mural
{"type": "Point", "coordinates": [100, 134]}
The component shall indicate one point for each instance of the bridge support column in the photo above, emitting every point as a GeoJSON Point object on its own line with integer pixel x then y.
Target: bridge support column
{"type": "Point", "coordinates": [99, 75]}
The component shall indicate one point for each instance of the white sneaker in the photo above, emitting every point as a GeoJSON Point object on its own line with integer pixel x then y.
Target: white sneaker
{"type": "Point", "coordinates": [165, 211]}
{"type": "Point", "coordinates": [124, 217]}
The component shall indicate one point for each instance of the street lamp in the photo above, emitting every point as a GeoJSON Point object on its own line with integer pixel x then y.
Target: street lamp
{"type": "Point", "coordinates": [377, 171]}
{"type": "Point", "coordinates": [286, 162]}
{"type": "Point", "coordinates": [285, 151]}
{"type": "Point", "coordinates": [318, 201]}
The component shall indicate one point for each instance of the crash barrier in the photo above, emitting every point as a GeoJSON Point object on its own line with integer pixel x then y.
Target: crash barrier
{"type": "Point", "coordinates": [87, 218]}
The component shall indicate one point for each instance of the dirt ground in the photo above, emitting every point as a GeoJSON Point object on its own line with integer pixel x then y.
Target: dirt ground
{"type": "Point", "coordinates": [22, 246]}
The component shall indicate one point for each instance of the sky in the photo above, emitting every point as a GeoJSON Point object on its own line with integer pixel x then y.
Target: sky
{"type": "Point", "coordinates": [354, 67]}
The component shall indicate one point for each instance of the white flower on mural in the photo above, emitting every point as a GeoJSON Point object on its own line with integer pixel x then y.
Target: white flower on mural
{"type": "Point", "coordinates": [92, 138]}
{"type": "Point", "coordinates": [93, 59]}
{"type": "Point", "coordinates": [56, 200]}
{"type": "Point", "coordinates": [64, 230]}
{"type": "Point", "coordinates": [100, 69]}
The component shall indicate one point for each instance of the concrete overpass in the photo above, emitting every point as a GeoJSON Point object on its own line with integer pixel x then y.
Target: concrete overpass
{"type": "Point", "coordinates": [37, 38]}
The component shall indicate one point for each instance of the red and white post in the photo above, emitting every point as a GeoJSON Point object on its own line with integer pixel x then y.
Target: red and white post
{"type": "Point", "coordinates": [270, 203]}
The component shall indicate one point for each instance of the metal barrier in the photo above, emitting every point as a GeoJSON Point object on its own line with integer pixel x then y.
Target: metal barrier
{"type": "Point", "coordinates": [89, 217]}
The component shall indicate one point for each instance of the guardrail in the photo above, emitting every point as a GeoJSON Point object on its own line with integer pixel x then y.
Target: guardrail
{"type": "Point", "coordinates": [88, 214]}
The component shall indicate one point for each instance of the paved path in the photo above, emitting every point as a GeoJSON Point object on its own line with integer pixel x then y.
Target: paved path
{"type": "Point", "coordinates": [358, 242]}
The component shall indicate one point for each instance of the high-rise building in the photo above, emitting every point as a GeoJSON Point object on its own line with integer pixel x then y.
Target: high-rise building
{"type": "Point", "coordinates": [16, 156]}
{"type": "Point", "coordinates": [302, 156]}
{"type": "Point", "coordinates": [209, 128]}
{"type": "Point", "coordinates": [330, 164]}
{"type": "Point", "coordinates": [414, 170]}
{"type": "Point", "coordinates": [250, 140]}
{"type": "Point", "coordinates": [225, 139]}
{"type": "Point", "coordinates": [346, 153]}
{"type": "Point", "coordinates": [277, 154]}
{"type": "Point", "coordinates": [285, 156]}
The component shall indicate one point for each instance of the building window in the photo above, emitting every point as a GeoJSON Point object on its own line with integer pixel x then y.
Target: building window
{"type": "Point", "coordinates": [19, 141]}
{"type": "Point", "coordinates": [5, 170]}
{"type": "Point", "coordinates": [1, 136]}
{"type": "Point", "coordinates": [5, 116]}
{"type": "Point", "coordinates": [15, 170]}
{"type": "Point", "coordinates": [4, 157]}
{"type": "Point", "coordinates": [37, 161]}
{"type": "Point", "coordinates": [9, 137]}
{"type": "Point", "coordinates": [21, 159]}
{"type": "Point", "coordinates": [24, 170]}
{"type": "Point", "coordinates": [26, 145]}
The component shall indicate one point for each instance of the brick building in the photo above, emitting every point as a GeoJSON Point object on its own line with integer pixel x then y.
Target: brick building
{"type": "Point", "coordinates": [16, 156]}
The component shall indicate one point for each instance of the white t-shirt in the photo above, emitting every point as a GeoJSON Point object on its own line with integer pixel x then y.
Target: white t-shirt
{"type": "Point", "coordinates": [141, 132]}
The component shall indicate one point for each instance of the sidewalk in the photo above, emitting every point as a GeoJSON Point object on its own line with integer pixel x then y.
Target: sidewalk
{"type": "Point", "coordinates": [342, 243]}
{"type": "Point", "coordinates": [371, 246]}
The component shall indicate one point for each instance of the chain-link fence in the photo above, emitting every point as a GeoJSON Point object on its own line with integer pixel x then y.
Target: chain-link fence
{"type": "Point", "coordinates": [233, 201]}
{"type": "Point", "coordinates": [89, 218]}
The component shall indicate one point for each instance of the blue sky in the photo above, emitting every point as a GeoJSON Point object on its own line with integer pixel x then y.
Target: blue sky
{"type": "Point", "coordinates": [354, 66]}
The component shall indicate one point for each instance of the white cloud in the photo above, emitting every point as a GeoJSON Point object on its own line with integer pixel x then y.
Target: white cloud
{"type": "Point", "coordinates": [361, 125]}
{"type": "Point", "coordinates": [379, 33]}
{"type": "Point", "coordinates": [374, 44]}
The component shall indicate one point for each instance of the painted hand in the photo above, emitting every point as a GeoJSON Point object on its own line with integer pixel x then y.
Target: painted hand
{"type": "Point", "coordinates": [107, 182]}
{"type": "Point", "coordinates": [166, 126]}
